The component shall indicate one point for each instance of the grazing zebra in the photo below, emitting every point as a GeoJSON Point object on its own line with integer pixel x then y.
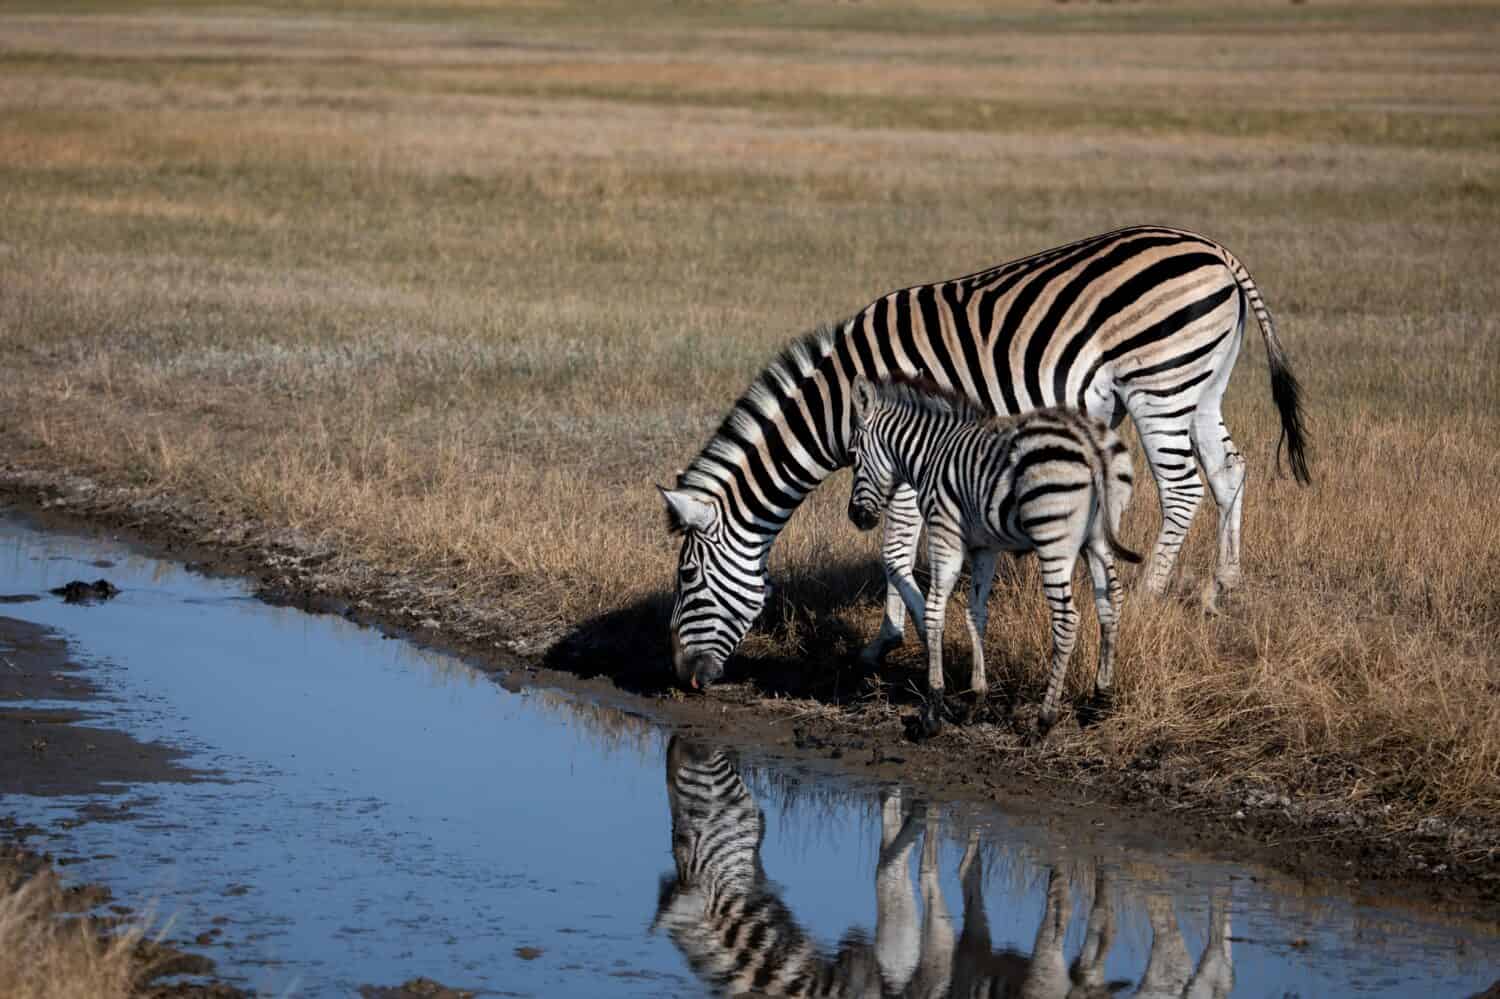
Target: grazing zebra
{"type": "Point", "coordinates": [1052, 481]}
{"type": "Point", "coordinates": [1145, 321]}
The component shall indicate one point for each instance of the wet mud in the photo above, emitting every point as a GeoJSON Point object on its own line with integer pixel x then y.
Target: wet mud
{"type": "Point", "coordinates": [841, 727]}
{"type": "Point", "coordinates": [54, 751]}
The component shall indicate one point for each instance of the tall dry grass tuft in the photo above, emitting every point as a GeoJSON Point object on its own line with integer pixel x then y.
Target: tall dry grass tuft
{"type": "Point", "coordinates": [46, 956]}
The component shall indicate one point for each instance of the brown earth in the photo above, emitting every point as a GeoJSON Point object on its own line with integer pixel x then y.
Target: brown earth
{"type": "Point", "coordinates": [848, 722]}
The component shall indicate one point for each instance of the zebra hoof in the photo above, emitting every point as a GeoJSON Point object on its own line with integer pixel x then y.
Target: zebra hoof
{"type": "Point", "coordinates": [1208, 599]}
{"type": "Point", "coordinates": [1038, 735]}
{"type": "Point", "coordinates": [1096, 708]}
{"type": "Point", "coordinates": [927, 722]}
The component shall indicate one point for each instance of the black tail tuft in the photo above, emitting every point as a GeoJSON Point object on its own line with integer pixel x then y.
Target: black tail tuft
{"type": "Point", "coordinates": [1120, 550]}
{"type": "Point", "coordinates": [1288, 396]}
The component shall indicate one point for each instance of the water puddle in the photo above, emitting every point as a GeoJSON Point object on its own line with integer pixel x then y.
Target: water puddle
{"type": "Point", "coordinates": [362, 811]}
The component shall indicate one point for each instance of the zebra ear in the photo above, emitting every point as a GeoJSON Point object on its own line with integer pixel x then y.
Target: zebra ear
{"type": "Point", "coordinates": [687, 513]}
{"type": "Point", "coordinates": [862, 395]}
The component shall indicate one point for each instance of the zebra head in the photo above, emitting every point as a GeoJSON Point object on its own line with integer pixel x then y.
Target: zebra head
{"type": "Point", "coordinates": [874, 465]}
{"type": "Point", "coordinates": [721, 588]}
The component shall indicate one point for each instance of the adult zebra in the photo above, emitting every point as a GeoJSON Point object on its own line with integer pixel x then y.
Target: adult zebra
{"type": "Point", "coordinates": [1146, 321]}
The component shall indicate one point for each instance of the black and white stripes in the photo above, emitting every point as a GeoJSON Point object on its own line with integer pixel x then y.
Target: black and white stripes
{"type": "Point", "coordinates": [1053, 481]}
{"type": "Point", "coordinates": [1145, 322]}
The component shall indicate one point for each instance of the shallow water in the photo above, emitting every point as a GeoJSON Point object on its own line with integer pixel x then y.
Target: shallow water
{"type": "Point", "coordinates": [379, 812]}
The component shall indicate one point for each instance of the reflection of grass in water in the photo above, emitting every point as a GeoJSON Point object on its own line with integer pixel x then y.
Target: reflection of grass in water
{"type": "Point", "coordinates": [610, 730]}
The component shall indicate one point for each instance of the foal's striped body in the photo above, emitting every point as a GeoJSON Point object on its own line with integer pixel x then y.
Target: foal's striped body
{"type": "Point", "coordinates": [1053, 481]}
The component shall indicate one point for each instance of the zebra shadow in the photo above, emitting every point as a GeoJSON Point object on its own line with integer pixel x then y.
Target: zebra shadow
{"type": "Point", "coordinates": [803, 645]}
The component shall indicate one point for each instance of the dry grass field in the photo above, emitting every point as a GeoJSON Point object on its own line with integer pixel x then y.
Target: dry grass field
{"type": "Point", "coordinates": [453, 284]}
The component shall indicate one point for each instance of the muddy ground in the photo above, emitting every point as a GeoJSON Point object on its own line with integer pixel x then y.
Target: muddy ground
{"type": "Point", "coordinates": [55, 751]}
{"type": "Point", "coordinates": [842, 722]}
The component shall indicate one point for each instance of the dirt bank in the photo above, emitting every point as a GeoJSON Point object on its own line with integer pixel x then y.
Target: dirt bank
{"type": "Point", "coordinates": [834, 717]}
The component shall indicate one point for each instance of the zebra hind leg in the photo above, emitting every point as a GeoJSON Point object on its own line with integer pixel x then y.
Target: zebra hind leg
{"type": "Point", "coordinates": [898, 555]}
{"type": "Point", "coordinates": [1167, 441]}
{"type": "Point", "coordinates": [1057, 583]}
{"type": "Point", "coordinates": [1225, 468]}
{"type": "Point", "coordinates": [1107, 597]}
{"type": "Point", "coordinates": [981, 575]}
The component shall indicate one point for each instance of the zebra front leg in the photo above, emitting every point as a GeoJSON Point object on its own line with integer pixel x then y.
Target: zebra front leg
{"type": "Point", "coordinates": [898, 556]}
{"type": "Point", "coordinates": [945, 555]}
{"type": "Point", "coordinates": [1057, 583]}
{"type": "Point", "coordinates": [981, 575]}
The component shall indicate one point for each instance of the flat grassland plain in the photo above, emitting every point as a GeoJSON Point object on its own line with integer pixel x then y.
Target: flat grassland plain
{"type": "Point", "coordinates": [450, 286]}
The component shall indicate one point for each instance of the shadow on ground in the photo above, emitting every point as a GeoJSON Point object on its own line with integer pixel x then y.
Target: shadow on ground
{"type": "Point", "coordinates": [805, 645]}
{"type": "Point", "coordinates": [802, 646]}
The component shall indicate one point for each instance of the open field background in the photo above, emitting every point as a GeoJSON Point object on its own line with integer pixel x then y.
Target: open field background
{"type": "Point", "coordinates": [454, 284]}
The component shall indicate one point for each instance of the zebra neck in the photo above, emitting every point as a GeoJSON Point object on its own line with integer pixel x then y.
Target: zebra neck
{"type": "Point", "coordinates": [783, 437]}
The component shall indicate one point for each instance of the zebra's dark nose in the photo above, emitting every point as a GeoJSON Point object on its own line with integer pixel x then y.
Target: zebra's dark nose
{"type": "Point", "coordinates": [702, 670]}
{"type": "Point", "coordinates": [863, 517]}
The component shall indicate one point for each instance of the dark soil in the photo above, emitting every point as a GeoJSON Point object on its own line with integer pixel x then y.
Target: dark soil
{"type": "Point", "coordinates": [835, 715]}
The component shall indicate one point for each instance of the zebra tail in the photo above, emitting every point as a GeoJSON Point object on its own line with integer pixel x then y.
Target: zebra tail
{"type": "Point", "coordinates": [1285, 390]}
{"type": "Point", "coordinates": [1106, 509]}
{"type": "Point", "coordinates": [1099, 469]}
{"type": "Point", "coordinates": [1114, 545]}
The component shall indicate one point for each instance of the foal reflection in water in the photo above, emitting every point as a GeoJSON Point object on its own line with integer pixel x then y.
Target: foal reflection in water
{"type": "Point", "coordinates": [731, 925]}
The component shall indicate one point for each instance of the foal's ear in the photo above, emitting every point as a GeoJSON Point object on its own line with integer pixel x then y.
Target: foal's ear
{"type": "Point", "coordinates": [862, 399]}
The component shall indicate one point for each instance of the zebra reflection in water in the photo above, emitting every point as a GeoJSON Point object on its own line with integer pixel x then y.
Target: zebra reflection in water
{"type": "Point", "coordinates": [730, 923]}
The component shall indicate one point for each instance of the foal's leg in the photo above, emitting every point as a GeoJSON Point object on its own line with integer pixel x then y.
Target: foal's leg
{"type": "Point", "coordinates": [945, 554]}
{"type": "Point", "coordinates": [898, 555]}
{"type": "Point", "coordinates": [981, 575]}
{"type": "Point", "coordinates": [1057, 561]}
{"type": "Point", "coordinates": [1107, 596]}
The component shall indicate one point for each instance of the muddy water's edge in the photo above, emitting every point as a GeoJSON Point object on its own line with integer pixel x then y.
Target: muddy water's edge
{"type": "Point", "coordinates": [48, 752]}
{"type": "Point", "coordinates": [1359, 852]}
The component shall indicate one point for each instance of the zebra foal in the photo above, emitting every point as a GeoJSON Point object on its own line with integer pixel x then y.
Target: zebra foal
{"type": "Point", "coordinates": [1053, 481]}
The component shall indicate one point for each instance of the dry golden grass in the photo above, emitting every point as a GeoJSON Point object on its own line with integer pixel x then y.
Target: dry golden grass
{"type": "Point", "coordinates": [455, 285]}
{"type": "Point", "coordinates": [45, 956]}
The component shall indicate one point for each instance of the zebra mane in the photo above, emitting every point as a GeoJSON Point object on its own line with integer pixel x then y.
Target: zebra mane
{"type": "Point", "coordinates": [927, 395]}
{"type": "Point", "coordinates": [780, 379]}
